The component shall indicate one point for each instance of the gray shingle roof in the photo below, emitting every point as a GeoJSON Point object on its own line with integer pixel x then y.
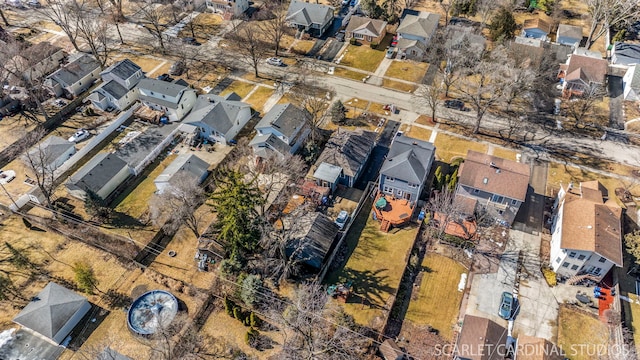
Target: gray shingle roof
{"type": "Point", "coordinates": [408, 159]}
{"type": "Point", "coordinates": [161, 87]}
{"type": "Point", "coordinates": [570, 31]}
{"type": "Point", "coordinates": [50, 310]}
{"type": "Point", "coordinates": [626, 54]}
{"type": "Point", "coordinates": [185, 163]}
{"type": "Point", "coordinates": [423, 25]}
{"type": "Point", "coordinates": [123, 69]}
{"type": "Point", "coordinates": [327, 172]}
{"type": "Point", "coordinates": [635, 78]}
{"type": "Point", "coordinates": [312, 238]}
{"type": "Point", "coordinates": [348, 149]}
{"type": "Point", "coordinates": [76, 70]}
{"type": "Point", "coordinates": [285, 118]}
{"type": "Point", "coordinates": [366, 26]}
{"type": "Point", "coordinates": [52, 147]}
{"type": "Point", "coordinates": [96, 173]}
{"type": "Point", "coordinates": [303, 13]}
{"type": "Point", "coordinates": [114, 89]}
{"type": "Point", "coordinates": [273, 141]}
{"type": "Point", "coordinates": [217, 112]}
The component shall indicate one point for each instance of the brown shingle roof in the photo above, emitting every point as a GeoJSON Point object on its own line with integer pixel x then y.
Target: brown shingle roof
{"type": "Point", "coordinates": [390, 350]}
{"type": "Point", "coordinates": [507, 178]}
{"type": "Point", "coordinates": [481, 339]}
{"type": "Point", "coordinates": [348, 149]}
{"type": "Point", "coordinates": [591, 224]}
{"type": "Point", "coordinates": [594, 69]}
{"type": "Point", "coordinates": [533, 348]}
{"type": "Point", "coordinates": [366, 26]}
{"type": "Point", "coordinates": [537, 24]}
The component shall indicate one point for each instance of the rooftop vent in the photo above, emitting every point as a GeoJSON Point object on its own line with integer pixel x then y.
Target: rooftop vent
{"type": "Point", "coordinates": [485, 181]}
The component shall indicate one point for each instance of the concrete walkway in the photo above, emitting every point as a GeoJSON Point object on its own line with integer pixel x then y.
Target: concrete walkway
{"type": "Point", "coordinates": [383, 67]}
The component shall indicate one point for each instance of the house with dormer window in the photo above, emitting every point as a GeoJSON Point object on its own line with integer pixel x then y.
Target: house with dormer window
{"type": "Point", "coordinates": [405, 170]}
{"type": "Point", "coordinates": [174, 99]}
{"type": "Point", "coordinates": [586, 231]}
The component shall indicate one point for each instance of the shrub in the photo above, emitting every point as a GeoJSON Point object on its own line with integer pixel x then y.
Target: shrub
{"type": "Point", "coordinates": [353, 41]}
{"type": "Point", "coordinates": [85, 277]}
{"type": "Point", "coordinates": [239, 314]}
{"type": "Point", "coordinates": [254, 320]}
{"type": "Point", "coordinates": [251, 285]}
{"type": "Point", "coordinates": [251, 337]}
{"type": "Point", "coordinates": [229, 306]}
{"type": "Point", "coordinates": [550, 276]}
{"type": "Point", "coordinates": [374, 45]}
{"type": "Point", "coordinates": [338, 112]}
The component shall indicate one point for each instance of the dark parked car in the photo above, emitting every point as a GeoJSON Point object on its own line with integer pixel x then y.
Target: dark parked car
{"type": "Point", "coordinates": [164, 77]}
{"type": "Point", "coordinates": [190, 41]}
{"type": "Point", "coordinates": [506, 306]}
{"type": "Point", "coordinates": [455, 104]}
{"type": "Point", "coordinates": [177, 68]}
{"type": "Point", "coordinates": [340, 36]}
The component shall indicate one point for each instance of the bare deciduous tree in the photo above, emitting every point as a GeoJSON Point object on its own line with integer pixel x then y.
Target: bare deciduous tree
{"type": "Point", "coordinates": [93, 31]}
{"type": "Point", "coordinates": [42, 164]}
{"type": "Point", "coordinates": [275, 26]}
{"type": "Point", "coordinates": [313, 99]}
{"type": "Point", "coordinates": [248, 43]}
{"type": "Point", "coordinates": [432, 96]}
{"type": "Point", "coordinates": [65, 15]}
{"type": "Point", "coordinates": [190, 56]}
{"type": "Point", "coordinates": [580, 107]}
{"type": "Point", "coordinates": [606, 14]}
{"type": "Point", "coordinates": [178, 203]}
{"type": "Point", "coordinates": [152, 17]}
{"type": "Point", "coordinates": [442, 203]}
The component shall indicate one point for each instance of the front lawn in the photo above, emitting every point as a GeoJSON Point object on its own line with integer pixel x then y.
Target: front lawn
{"type": "Point", "coordinates": [242, 88]}
{"type": "Point", "coordinates": [559, 174]}
{"type": "Point", "coordinates": [259, 97]}
{"type": "Point", "coordinates": [376, 263]}
{"type": "Point", "coordinates": [449, 147]}
{"type": "Point", "coordinates": [418, 132]}
{"type": "Point", "coordinates": [204, 26]}
{"type": "Point", "coordinates": [581, 334]}
{"type": "Point", "coordinates": [440, 279]}
{"type": "Point", "coordinates": [362, 57]}
{"type": "Point", "coordinates": [348, 74]}
{"type": "Point", "coordinates": [407, 70]}
{"type": "Point", "coordinates": [398, 85]}
{"type": "Point", "coordinates": [505, 153]}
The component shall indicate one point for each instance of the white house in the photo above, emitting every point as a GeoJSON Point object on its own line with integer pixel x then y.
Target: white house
{"type": "Point", "coordinates": [52, 152]}
{"type": "Point", "coordinates": [586, 231]}
{"type": "Point", "coordinates": [188, 164]}
{"type": "Point", "coordinates": [313, 18]}
{"type": "Point", "coordinates": [219, 118]}
{"type": "Point", "coordinates": [74, 78]}
{"type": "Point", "coordinates": [174, 99]}
{"type": "Point", "coordinates": [631, 83]}
{"type": "Point", "coordinates": [625, 54]}
{"type": "Point", "coordinates": [35, 62]}
{"type": "Point", "coordinates": [118, 86]}
{"type": "Point", "coordinates": [415, 33]}
{"type": "Point", "coordinates": [228, 8]}
{"type": "Point", "coordinates": [101, 175]}
{"type": "Point", "coordinates": [282, 130]}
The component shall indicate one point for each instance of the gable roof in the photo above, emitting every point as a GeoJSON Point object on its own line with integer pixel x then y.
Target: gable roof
{"type": "Point", "coordinates": [408, 159]}
{"type": "Point", "coordinates": [96, 173]}
{"type": "Point", "coordinates": [285, 118]}
{"type": "Point", "coordinates": [161, 87]}
{"type": "Point", "coordinates": [590, 223]}
{"type": "Point", "coordinates": [593, 69]}
{"type": "Point", "coordinates": [123, 69]}
{"type": "Point", "coordinates": [570, 31]}
{"type": "Point", "coordinates": [424, 24]}
{"type": "Point", "coordinates": [304, 13]}
{"type": "Point", "coordinates": [366, 26]}
{"type": "Point", "coordinates": [274, 143]}
{"type": "Point", "coordinates": [76, 70]}
{"type": "Point", "coordinates": [215, 111]}
{"type": "Point", "coordinates": [348, 149]}
{"type": "Point", "coordinates": [312, 238]}
{"type": "Point", "coordinates": [114, 89]}
{"type": "Point", "coordinates": [40, 51]}
{"type": "Point", "coordinates": [626, 54]}
{"type": "Point", "coordinates": [51, 148]}
{"type": "Point", "coordinates": [495, 175]}
{"type": "Point", "coordinates": [50, 310]}
{"type": "Point", "coordinates": [534, 348]}
{"type": "Point", "coordinates": [635, 77]}
{"type": "Point", "coordinates": [185, 163]}
{"type": "Point", "coordinates": [537, 23]}
{"type": "Point", "coordinates": [478, 332]}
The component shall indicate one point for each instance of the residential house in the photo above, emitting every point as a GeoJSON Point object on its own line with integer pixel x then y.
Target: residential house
{"type": "Point", "coordinates": [586, 231]}
{"type": "Point", "coordinates": [219, 118]}
{"type": "Point", "coordinates": [536, 28]}
{"type": "Point", "coordinates": [281, 131]}
{"type": "Point", "coordinates": [53, 313]}
{"type": "Point", "coordinates": [569, 35]}
{"type": "Point", "coordinates": [52, 152]}
{"type": "Point", "coordinates": [465, 37]}
{"type": "Point", "coordinates": [101, 175]}
{"type": "Point", "coordinates": [366, 30]}
{"type": "Point", "coordinates": [312, 236]}
{"type": "Point", "coordinates": [173, 99]}
{"type": "Point", "coordinates": [631, 84]}
{"type": "Point", "coordinates": [580, 73]}
{"type": "Point", "coordinates": [312, 18]}
{"type": "Point", "coordinates": [228, 8]}
{"type": "Point", "coordinates": [625, 54]}
{"type": "Point", "coordinates": [480, 339]}
{"type": "Point", "coordinates": [118, 86]}
{"type": "Point", "coordinates": [497, 185]}
{"type": "Point", "coordinates": [533, 348]}
{"type": "Point", "coordinates": [185, 164]}
{"type": "Point", "coordinates": [34, 62]}
{"type": "Point", "coordinates": [74, 78]}
{"type": "Point", "coordinates": [344, 157]}
{"type": "Point", "coordinates": [415, 33]}
{"type": "Point", "coordinates": [406, 168]}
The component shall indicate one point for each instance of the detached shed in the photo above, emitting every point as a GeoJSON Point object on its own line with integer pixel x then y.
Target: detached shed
{"type": "Point", "coordinates": [53, 313]}
{"type": "Point", "coordinates": [188, 164]}
{"type": "Point", "coordinates": [312, 238]}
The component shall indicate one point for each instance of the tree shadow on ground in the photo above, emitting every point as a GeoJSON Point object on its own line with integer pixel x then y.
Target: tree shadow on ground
{"type": "Point", "coordinates": [368, 286]}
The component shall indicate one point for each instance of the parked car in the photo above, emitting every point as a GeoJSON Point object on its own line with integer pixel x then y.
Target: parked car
{"type": "Point", "coordinates": [394, 41]}
{"type": "Point", "coordinates": [191, 41]}
{"type": "Point", "coordinates": [15, 3]}
{"type": "Point", "coordinates": [454, 104]}
{"type": "Point", "coordinates": [177, 68]}
{"type": "Point", "coordinates": [342, 218]}
{"type": "Point", "coordinates": [34, 4]}
{"type": "Point", "coordinates": [274, 61]}
{"type": "Point", "coordinates": [340, 36]}
{"type": "Point", "coordinates": [80, 135]}
{"type": "Point", "coordinates": [390, 52]}
{"type": "Point", "coordinates": [6, 176]}
{"type": "Point", "coordinates": [506, 305]}
{"type": "Point", "coordinates": [164, 77]}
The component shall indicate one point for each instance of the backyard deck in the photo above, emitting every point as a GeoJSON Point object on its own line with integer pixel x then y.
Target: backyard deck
{"type": "Point", "coordinates": [391, 211]}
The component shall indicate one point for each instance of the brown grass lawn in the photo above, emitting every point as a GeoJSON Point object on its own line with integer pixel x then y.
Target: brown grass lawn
{"type": "Point", "coordinates": [205, 25]}
{"type": "Point", "coordinates": [505, 153]}
{"type": "Point", "coordinates": [356, 103]}
{"type": "Point", "coordinates": [302, 46]}
{"type": "Point", "coordinates": [407, 70]}
{"type": "Point", "coordinates": [375, 267]}
{"type": "Point", "coordinates": [259, 97]}
{"type": "Point", "coordinates": [631, 110]}
{"type": "Point", "coordinates": [13, 128]}
{"type": "Point", "coordinates": [448, 147]}
{"type": "Point", "coordinates": [440, 277]}
{"type": "Point", "coordinates": [377, 108]}
{"type": "Point", "coordinates": [398, 85]}
{"type": "Point", "coordinates": [576, 328]}
{"type": "Point", "coordinates": [418, 132]}
{"type": "Point", "coordinates": [362, 57]}
{"type": "Point", "coordinates": [163, 69]}
{"type": "Point", "coordinates": [349, 74]}
{"type": "Point", "coordinates": [242, 88]}
{"type": "Point", "coordinates": [633, 321]}
{"type": "Point", "coordinates": [426, 120]}
{"type": "Point", "coordinates": [633, 127]}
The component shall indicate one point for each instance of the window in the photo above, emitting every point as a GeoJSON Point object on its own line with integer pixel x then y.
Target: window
{"type": "Point", "coordinates": [514, 202]}
{"type": "Point", "coordinates": [387, 189]}
{"type": "Point", "coordinates": [597, 270]}
{"type": "Point", "coordinates": [358, 36]}
{"type": "Point", "coordinates": [400, 192]}
{"type": "Point", "coordinates": [581, 257]}
{"type": "Point", "coordinates": [500, 212]}
{"type": "Point", "coordinates": [574, 267]}
{"type": "Point", "coordinates": [413, 186]}
{"type": "Point", "coordinates": [566, 264]}
{"type": "Point", "coordinates": [572, 254]}
{"type": "Point", "coordinates": [390, 179]}
{"type": "Point", "coordinates": [602, 259]}
{"type": "Point", "coordinates": [497, 199]}
{"type": "Point", "coordinates": [475, 191]}
{"type": "Point", "coordinates": [558, 260]}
